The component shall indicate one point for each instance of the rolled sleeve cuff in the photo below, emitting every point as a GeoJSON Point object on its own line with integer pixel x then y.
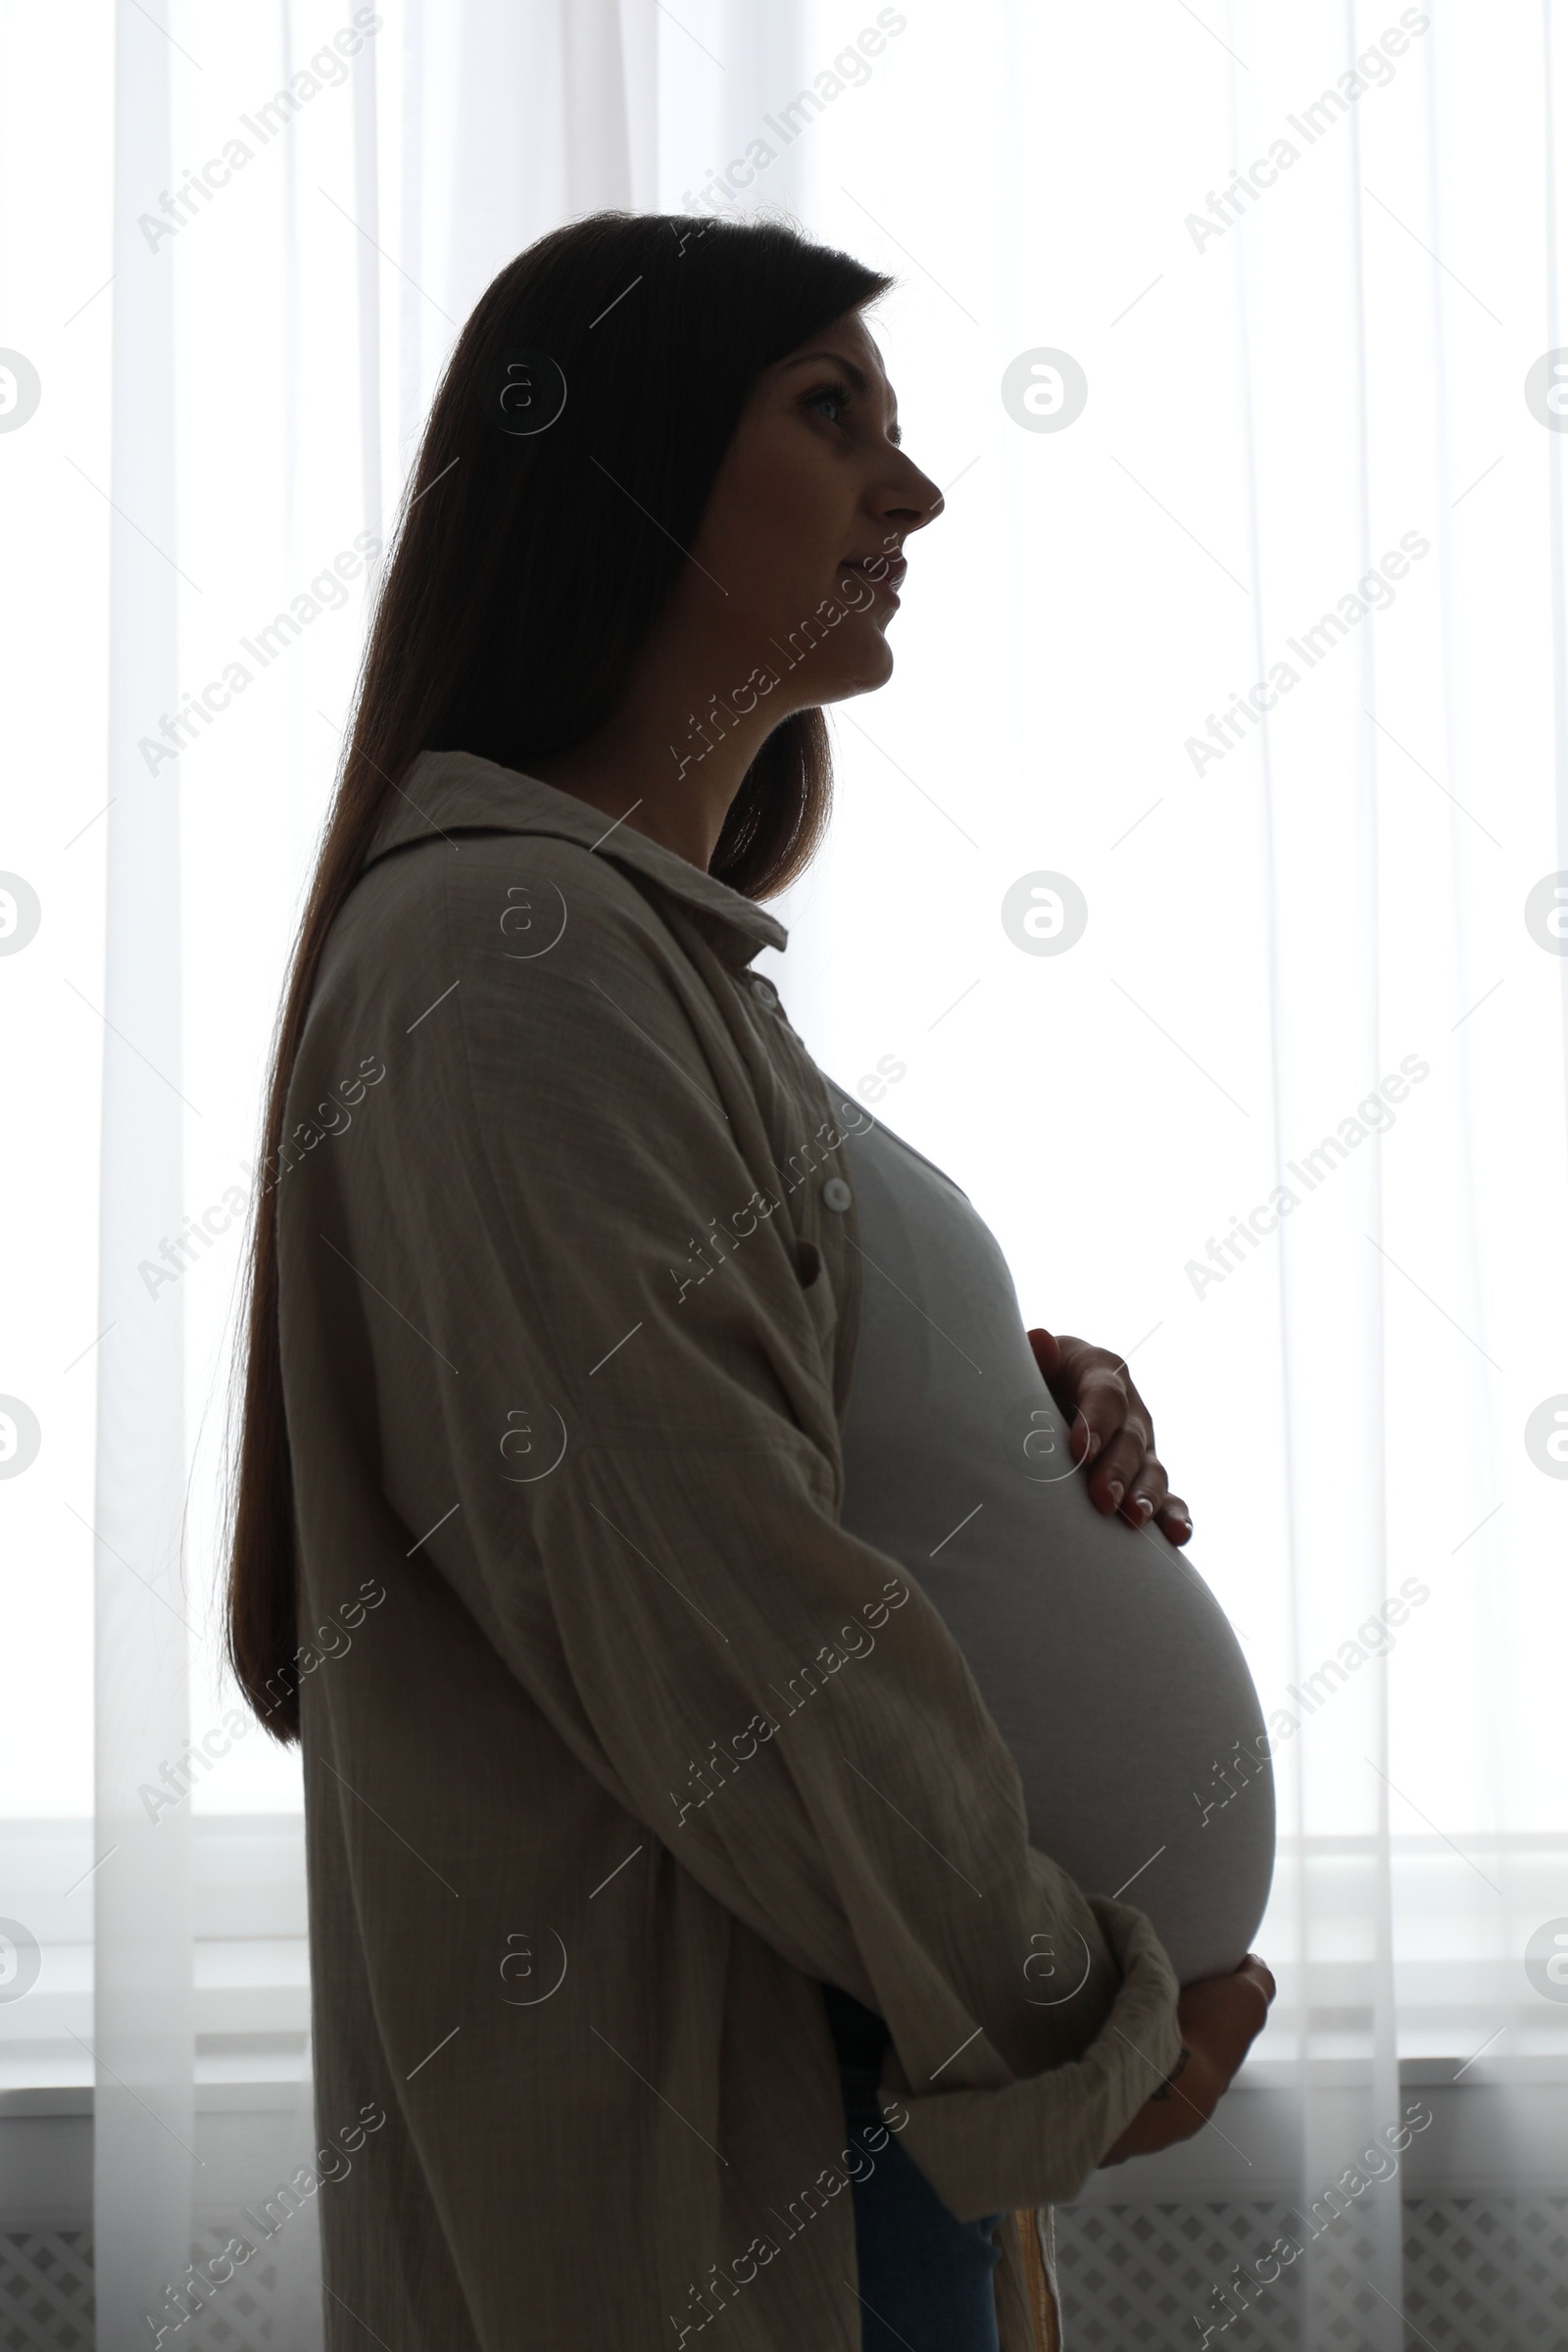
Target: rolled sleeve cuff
{"type": "Point", "coordinates": [1037, 2141]}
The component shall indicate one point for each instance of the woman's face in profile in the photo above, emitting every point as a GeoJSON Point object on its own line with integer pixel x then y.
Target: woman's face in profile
{"type": "Point", "coordinates": [807, 518]}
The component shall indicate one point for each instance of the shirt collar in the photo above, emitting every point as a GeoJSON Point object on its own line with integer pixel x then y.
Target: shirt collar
{"type": "Point", "coordinates": [447, 792]}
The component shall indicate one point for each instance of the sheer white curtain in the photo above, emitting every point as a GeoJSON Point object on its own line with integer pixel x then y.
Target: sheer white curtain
{"type": "Point", "coordinates": [1323, 388]}
{"type": "Point", "coordinates": [236, 318]}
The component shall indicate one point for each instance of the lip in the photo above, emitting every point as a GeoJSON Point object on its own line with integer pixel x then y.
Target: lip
{"type": "Point", "coordinates": [882, 570]}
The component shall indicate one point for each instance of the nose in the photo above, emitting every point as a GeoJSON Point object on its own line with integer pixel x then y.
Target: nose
{"type": "Point", "coordinates": [909, 502]}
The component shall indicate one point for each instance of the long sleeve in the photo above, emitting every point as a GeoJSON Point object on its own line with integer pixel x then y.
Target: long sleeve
{"type": "Point", "coordinates": [603, 1374]}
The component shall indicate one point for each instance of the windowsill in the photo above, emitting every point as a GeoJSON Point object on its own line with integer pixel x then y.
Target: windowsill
{"type": "Point", "coordinates": [221, 2092]}
{"type": "Point", "coordinates": [29, 2105]}
{"type": "Point", "coordinates": [1528, 2070]}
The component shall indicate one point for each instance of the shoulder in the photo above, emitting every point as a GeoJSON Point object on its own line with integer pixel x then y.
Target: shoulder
{"type": "Point", "coordinates": [475, 890]}
{"type": "Point", "coordinates": [520, 921]}
{"type": "Point", "coordinates": [520, 981]}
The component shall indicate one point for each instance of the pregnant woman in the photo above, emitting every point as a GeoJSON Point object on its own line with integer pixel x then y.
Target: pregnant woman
{"type": "Point", "coordinates": [718, 1826]}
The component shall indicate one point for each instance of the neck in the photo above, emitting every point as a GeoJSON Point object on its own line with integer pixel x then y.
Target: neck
{"type": "Point", "coordinates": [658, 772]}
{"type": "Point", "coordinates": [672, 755]}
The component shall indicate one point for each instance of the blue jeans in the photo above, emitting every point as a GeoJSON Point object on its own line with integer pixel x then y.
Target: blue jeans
{"type": "Point", "coordinates": [925, 2277]}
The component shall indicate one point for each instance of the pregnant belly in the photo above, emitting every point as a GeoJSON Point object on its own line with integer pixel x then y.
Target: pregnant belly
{"type": "Point", "coordinates": [1111, 1670]}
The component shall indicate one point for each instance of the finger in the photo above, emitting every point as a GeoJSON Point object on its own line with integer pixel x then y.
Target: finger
{"type": "Point", "coordinates": [1062, 1380]}
{"type": "Point", "coordinates": [1134, 1404]}
{"type": "Point", "coordinates": [1262, 1975]}
{"type": "Point", "coordinates": [1147, 1492]}
{"type": "Point", "coordinates": [1118, 1466]}
{"type": "Point", "coordinates": [1240, 2023]}
{"type": "Point", "coordinates": [1175, 1520]}
{"type": "Point", "coordinates": [1084, 1441]}
{"type": "Point", "coordinates": [1099, 1386]}
{"type": "Point", "coordinates": [1061, 1368]}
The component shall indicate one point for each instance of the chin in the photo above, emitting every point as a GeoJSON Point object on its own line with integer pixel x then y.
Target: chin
{"type": "Point", "coordinates": [871, 667]}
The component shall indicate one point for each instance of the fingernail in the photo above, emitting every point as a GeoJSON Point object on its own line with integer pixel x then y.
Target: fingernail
{"type": "Point", "coordinates": [1114, 1491]}
{"type": "Point", "coordinates": [1142, 1509]}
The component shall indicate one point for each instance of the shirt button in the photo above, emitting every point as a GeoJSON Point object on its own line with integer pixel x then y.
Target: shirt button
{"type": "Point", "coordinates": [835, 1193]}
{"type": "Point", "coordinates": [764, 989]}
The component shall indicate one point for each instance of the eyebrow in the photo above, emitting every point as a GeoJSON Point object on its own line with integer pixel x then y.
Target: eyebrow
{"type": "Point", "coordinates": [858, 376]}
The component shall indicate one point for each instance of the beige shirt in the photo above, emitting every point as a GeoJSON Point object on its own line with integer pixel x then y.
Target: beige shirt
{"type": "Point", "coordinates": [639, 1745]}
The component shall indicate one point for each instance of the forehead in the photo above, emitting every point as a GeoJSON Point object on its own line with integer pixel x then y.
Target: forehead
{"type": "Point", "coordinates": [847, 340]}
{"type": "Point", "coordinates": [852, 337]}
{"type": "Point", "coordinates": [853, 334]}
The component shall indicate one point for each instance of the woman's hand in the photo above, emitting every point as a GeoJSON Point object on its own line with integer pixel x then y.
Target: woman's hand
{"type": "Point", "coordinates": [1218, 2020]}
{"type": "Point", "coordinates": [1111, 1427]}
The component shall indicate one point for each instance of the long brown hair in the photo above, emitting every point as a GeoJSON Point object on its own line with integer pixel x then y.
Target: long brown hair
{"type": "Point", "coordinates": [524, 574]}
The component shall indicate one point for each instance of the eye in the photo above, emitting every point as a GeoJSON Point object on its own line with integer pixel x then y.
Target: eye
{"type": "Point", "coordinates": [835, 395]}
